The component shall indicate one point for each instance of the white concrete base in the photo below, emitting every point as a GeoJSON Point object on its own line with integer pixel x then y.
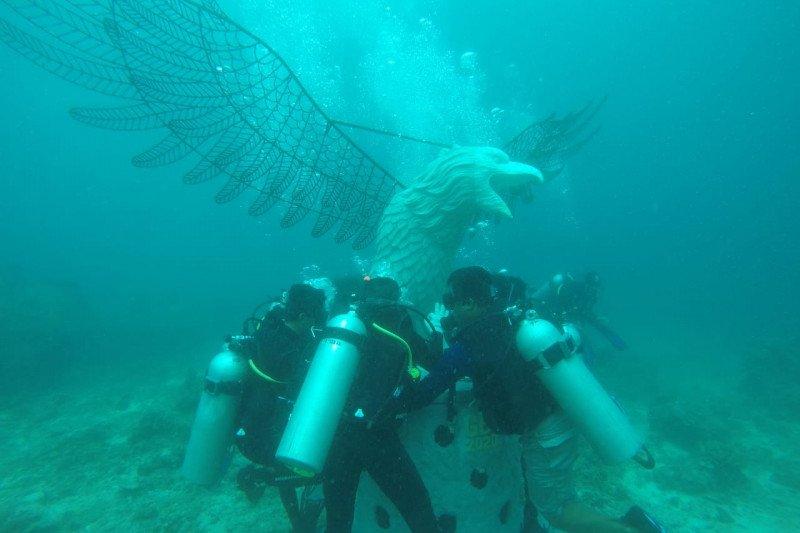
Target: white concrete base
{"type": "Point", "coordinates": [447, 472]}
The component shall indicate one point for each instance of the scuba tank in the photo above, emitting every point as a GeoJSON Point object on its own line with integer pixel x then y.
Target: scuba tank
{"type": "Point", "coordinates": [209, 447]}
{"type": "Point", "coordinates": [577, 391]}
{"type": "Point", "coordinates": [309, 433]}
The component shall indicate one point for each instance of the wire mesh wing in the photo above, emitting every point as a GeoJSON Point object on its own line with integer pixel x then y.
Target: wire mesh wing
{"type": "Point", "coordinates": [546, 144]}
{"type": "Point", "coordinates": [226, 99]}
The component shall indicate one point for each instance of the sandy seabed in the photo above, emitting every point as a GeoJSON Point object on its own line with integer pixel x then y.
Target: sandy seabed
{"type": "Point", "coordinates": [103, 454]}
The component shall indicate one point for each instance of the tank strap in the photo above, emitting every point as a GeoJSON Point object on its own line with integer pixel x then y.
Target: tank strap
{"type": "Point", "coordinates": [344, 335]}
{"type": "Point", "coordinates": [554, 354]}
{"type": "Point", "coordinates": [229, 388]}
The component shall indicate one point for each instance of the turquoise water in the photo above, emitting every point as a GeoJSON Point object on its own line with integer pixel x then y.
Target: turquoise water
{"type": "Point", "coordinates": [117, 283]}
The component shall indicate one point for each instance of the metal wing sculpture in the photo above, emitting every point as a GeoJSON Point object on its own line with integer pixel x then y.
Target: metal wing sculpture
{"type": "Point", "coordinates": [548, 143]}
{"type": "Point", "coordinates": [231, 105]}
{"type": "Point", "coordinates": [226, 99]}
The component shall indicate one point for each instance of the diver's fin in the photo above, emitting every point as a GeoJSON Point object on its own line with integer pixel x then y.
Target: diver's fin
{"type": "Point", "coordinates": [610, 335]}
{"type": "Point", "coordinates": [638, 519]}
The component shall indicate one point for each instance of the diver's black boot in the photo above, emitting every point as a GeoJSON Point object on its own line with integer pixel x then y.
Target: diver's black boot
{"type": "Point", "coordinates": [252, 481]}
{"type": "Point", "coordinates": [638, 519]}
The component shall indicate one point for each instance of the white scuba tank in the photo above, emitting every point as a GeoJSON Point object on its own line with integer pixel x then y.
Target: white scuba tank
{"type": "Point", "coordinates": [209, 448]}
{"type": "Point", "coordinates": [318, 410]}
{"type": "Point", "coordinates": [576, 390]}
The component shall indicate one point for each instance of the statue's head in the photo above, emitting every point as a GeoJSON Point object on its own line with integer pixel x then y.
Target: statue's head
{"type": "Point", "coordinates": [472, 181]}
{"type": "Point", "coordinates": [425, 223]}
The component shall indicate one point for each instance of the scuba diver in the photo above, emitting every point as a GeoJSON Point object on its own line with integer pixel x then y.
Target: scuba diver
{"type": "Point", "coordinates": [248, 393]}
{"type": "Point", "coordinates": [367, 438]}
{"type": "Point", "coordinates": [278, 350]}
{"type": "Point", "coordinates": [341, 424]}
{"type": "Point", "coordinates": [278, 360]}
{"type": "Point", "coordinates": [494, 343]}
{"type": "Point", "coordinates": [566, 299]}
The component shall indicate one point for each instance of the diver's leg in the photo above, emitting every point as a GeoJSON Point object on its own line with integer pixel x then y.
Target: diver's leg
{"type": "Point", "coordinates": [397, 476]}
{"type": "Point", "coordinates": [340, 480]}
{"type": "Point", "coordinates": [549, 475]}
{"type": "Point", "coordinates": [312, 502]}
{"type": "Point", "coordinates": [549, 453]}
{"type": "Point", "coordinates": [290, 505]}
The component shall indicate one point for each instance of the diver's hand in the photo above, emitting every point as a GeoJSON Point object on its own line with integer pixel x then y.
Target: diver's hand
{"type": "Point", "coordinates": [439, 312]}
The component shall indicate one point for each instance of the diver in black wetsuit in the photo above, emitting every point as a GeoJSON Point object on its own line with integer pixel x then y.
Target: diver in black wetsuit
{"type": "Point", "coordinates": [278, 357]}
{"type": "Point", "coordinates": [278, 363]}
{"type": "Point", "coordinates": [567, 299]}
{"type": "Point", "coordinates": [367, 438]}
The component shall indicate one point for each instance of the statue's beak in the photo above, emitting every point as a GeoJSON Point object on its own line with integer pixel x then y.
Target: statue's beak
{"type": "Point", "coordinates": [508, 177]}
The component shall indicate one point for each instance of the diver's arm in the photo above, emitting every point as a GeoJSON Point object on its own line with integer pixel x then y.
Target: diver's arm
{"type": "Point", "coordinates": [453, 365]}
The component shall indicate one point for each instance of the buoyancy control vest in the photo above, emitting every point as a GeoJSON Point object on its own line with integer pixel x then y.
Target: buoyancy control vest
{"type": "Point", "coordinates": [389, 354]}
{"type": "Point", "coordinates": [510, 396]}
{"type": "Point", "coordinates": [277, 363]}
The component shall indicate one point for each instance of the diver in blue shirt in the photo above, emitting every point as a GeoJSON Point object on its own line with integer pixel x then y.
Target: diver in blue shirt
{"type": "Point", "coordinates": [481, 330]}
